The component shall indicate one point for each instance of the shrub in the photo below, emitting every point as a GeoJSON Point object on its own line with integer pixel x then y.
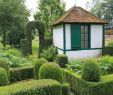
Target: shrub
{"type": "Point", "coordinates": [3, 77]}
{"type": "Point", "coordinates": [33, 87]}
{"type": "Point", "coordinates": [4, 64]}
{"type": "Point", "coordinates": [82, 87]}
{"type": "Point", "coordinates": [13, 52]}
{"type": "Point", "coordinates": [106, 64]}
{"type": "Point", "coordinates": [76, 65]}
{"type": "Point", "coordinates": [19, 74]}
{"type": "Point", "coordinates": [65, 89]}
{"type": "Point", "coordinates": [50, 71]}
{"type": "Point", "coordinates": [62, 60]}
{"type": "Point", "coordinates": [110, 44]}
{"type": "Point", "coordinates": [49, 53]}
{"type": "Point", "coordinates": [37, 66]}
{"type": "Point", "coordinates": [91, 71]}
{"type": "Point", "coordinates": [107, 51]}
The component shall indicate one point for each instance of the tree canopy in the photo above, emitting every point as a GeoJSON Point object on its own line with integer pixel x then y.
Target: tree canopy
{"type": "Point", "coordinates": [48, 11]}
{"type": "Point", "coordinates": [103, 9]}
{"type": "Point", "coordinates": [13, 16]}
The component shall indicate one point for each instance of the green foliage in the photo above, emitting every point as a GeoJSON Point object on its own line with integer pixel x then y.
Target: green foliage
{"type": "Point", "coordinates": [33, 87]}
{"type": "Point", "coordinates": [103, 9]}
{"type": "Point", "coordinates": [62, 60]}
{"type": "Point", "coordinates": [50, 71]}
{"type": "Point", "coordinates": [23, 47]}
{"type": "Point", "coordinates": [107, 51]}
{"type": "Point", "coordinates": [40, 26]}
{"type": "Point", "coordinates": [37, 66]}
{"type": "Point", "coordinates": [19, 74]}
{"type": "Point", "coordinates": [65, 89]}
{"type": "Point", "coordinates": [49, 54]}
{"type": "Point", "coordinates": [106, 64]}
{"type": "Point", "coordinates": [13, 17]}
{"type": "Point", "coordinates": [91, 71]}
{"type": "Point", "coordinates": [48, 11]}
{"type": "Point", "coordinates": [110, 44]}
{"type": "Point", "coordinates": [3, 77]}
{"type": "Point", "coordinates": [14, 58]}
{"type": "Point", "coordinates": [76, 65]}
{"type": "Point", "coordinates": [82, 87]}
{"type": "Point", "coordinates": [14, 38]}
{"type": "Point", "coordinates": [4, 64]}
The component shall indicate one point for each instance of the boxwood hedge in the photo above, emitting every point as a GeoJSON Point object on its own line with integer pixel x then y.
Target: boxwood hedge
{"type": "Point", "coordinates": [33, 87]}
{"type": "Point", "coordinates": [82, 87]}
{"type": "Point", "coordinates": [23, 73]}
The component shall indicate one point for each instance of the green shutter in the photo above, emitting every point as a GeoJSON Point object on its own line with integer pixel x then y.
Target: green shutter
{"type": "Point", "coordinates": [75, 36]}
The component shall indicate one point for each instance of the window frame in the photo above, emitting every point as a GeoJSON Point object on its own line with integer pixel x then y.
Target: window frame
{"type": "Point", "coordinates": [89, 37]}
{"type": "Point", "coordinates": [84, 34]}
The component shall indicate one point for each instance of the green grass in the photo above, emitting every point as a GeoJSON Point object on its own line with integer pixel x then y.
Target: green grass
{"type": "Point", "coordinates": [35, 45]}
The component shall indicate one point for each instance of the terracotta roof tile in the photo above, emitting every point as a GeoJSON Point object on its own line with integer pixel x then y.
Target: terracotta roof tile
{"type": "Point", "coordinates": [79, 15]}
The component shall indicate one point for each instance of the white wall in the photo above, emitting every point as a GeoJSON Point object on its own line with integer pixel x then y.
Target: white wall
{"type": "Point", "coordinates": [96, 36]}
{"type": "Point", "coordinates": [96, 42]}
{"type": "Point", "coordinates": [83, 54]}
{"type": "Point", "coordinates": [68, 36]}
{"type": "Point", "coordinates": [58, 36]}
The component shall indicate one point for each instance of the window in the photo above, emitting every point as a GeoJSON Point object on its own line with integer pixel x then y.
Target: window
{"type": "Point", "coordinates": [84, 36]}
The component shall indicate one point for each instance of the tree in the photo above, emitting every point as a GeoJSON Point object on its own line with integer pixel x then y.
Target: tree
{"type": "Point", "coordinates": [48, 11]}
{"type": "Point", "coordinates": [103, 9]}
{"type": "Point", "coordinates": [13, 17]}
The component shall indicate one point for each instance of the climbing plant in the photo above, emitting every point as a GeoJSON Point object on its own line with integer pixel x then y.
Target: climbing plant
{"type": "Point", "coordinates": [26, 44]}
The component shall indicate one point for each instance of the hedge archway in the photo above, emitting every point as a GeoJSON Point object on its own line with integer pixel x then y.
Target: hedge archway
{"type": "Point", "coordinates": [26, 44]}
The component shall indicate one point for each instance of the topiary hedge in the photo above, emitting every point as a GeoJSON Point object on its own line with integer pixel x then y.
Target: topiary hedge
{"type": "Point", "coordinates": [33, 87]}
{"type": "Point", "coordinates": [4, 64]}
{"type": "Point", "coordinates": [82, 87]}
{"type": "Point", "coordinates": [65, 89]}
{"type": "Point", "coordinates": [23, 47]}
{"type": "Point", "coordinates": [62, 60]}
{"type": "Point", "coordinates": [91, 71]}
{"type": "Point", "coordinates": [37, 66]}
{"type": "Point", "coordinates": [28, 40]}
{"type": "Point", "coordinates": [3, 77]}
{"type": "Point", "coordinates": [50, 71]}
{"type": "Point", "coordinates": [19, 74]}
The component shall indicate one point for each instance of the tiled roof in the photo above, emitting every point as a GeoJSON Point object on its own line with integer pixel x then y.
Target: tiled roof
{"type": "Point", "coordinates": [79, 15]}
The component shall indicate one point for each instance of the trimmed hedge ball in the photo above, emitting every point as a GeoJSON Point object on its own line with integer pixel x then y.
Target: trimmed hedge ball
{"type": "Point", "coordinates": [4, 64]}
{"type": "Point", "coordinates": [91, 71]}
{"type": "Point", "coordinates": [62, 60]}
{"type": "Point", "coordinates": [3, 77]}
{"type": "Point", "coordinates": [37, 66]}
{"type": "Point", "coordinates": [50, 71]}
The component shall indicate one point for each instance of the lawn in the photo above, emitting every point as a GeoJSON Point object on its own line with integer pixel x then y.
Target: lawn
{"type": "Point", "coordinates": [35, 45]}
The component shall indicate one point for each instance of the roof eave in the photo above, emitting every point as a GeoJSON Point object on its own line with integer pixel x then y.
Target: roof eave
{"type": "Point", "coordinates": [56, 24]}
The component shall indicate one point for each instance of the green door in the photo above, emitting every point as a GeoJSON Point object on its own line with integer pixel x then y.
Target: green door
{"type": "Point", "coordinates": [75, 36]}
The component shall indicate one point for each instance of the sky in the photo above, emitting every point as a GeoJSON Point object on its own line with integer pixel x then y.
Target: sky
{"type": "Point", "coordinates": [32, 5]}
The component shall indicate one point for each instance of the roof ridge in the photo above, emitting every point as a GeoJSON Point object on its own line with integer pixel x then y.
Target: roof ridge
{"type": "Point", "coordinates": [68, 12]}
